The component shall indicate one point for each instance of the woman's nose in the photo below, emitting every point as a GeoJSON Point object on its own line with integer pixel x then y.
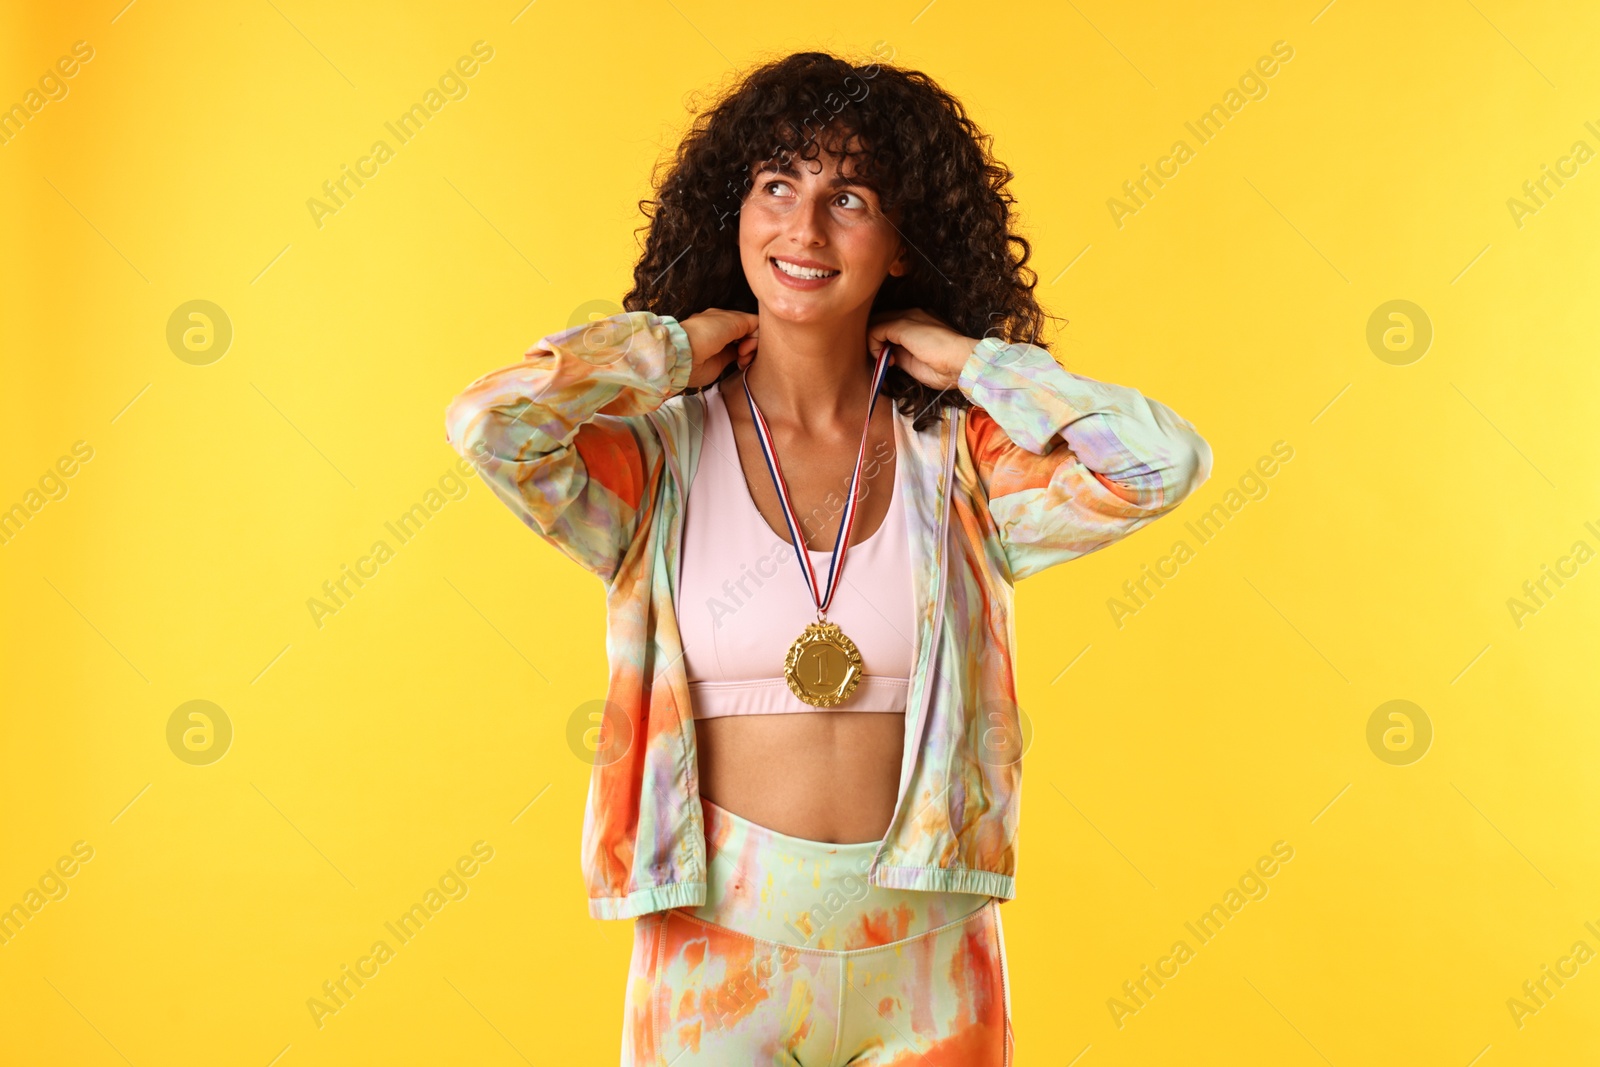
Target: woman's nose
{"type": "Point", "coordinates": [807, 222]}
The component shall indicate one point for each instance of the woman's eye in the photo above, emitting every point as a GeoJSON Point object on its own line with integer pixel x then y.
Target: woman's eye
{"type": "Point", "coordinates": [845, 198]}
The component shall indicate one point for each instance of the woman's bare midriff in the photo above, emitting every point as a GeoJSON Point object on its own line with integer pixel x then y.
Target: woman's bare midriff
{"type": "Point", "coordinates": [824, 775]}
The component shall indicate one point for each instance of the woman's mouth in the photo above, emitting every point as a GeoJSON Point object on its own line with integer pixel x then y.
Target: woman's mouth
{"type": "Point", "coordinates": [799, 277]}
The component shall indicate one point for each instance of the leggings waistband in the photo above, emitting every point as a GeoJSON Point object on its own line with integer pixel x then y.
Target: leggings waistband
{"type": "Point", "coordinates": [810, 894]}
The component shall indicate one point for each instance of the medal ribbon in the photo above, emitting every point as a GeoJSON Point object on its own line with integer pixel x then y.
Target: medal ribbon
{"type": "Point", "coordinates": [841, 543]}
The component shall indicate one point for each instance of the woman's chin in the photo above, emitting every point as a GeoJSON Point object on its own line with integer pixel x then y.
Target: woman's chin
{"type": "Point", "coordinates": [804, 310]}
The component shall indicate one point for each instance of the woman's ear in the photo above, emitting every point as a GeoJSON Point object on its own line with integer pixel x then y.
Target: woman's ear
{"type": "Point", "coordinates": [897, 269]}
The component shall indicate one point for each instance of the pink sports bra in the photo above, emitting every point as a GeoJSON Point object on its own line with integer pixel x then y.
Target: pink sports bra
{"type": "Point", "coordinates": [741, 602]}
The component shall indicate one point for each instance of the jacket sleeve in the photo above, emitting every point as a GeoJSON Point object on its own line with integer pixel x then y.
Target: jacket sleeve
{"type": "Point", "coordinates": [561, 436]}
{"type": "Point", "coordinates": [1071, 464]}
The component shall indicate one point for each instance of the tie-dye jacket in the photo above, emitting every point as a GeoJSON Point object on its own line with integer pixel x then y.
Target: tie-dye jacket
{"type": "Point", "coordinates": [590, 440]}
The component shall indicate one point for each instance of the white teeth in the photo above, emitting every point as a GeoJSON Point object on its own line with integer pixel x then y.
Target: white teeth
{"type": "Point", "coordinates": [803, 272]}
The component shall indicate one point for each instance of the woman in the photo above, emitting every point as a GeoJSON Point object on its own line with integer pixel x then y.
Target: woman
{"type": "Point", "coordinates": [808, 782]}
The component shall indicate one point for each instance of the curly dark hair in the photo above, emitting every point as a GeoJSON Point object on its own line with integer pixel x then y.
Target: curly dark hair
{"type": "Point", "coordinates": [911, 140]}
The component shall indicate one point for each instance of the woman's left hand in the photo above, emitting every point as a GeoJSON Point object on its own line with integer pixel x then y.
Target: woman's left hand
{"type": "Point", "coordinates": [924, 347]}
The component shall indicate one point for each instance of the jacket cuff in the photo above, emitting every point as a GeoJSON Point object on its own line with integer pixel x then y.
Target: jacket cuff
{"type": "Point", "coordinates": [681, 357]}
{"type": "Point", "coordinates": [1023, 388]}
{"type": "Point", "coordinates": [654, 348]}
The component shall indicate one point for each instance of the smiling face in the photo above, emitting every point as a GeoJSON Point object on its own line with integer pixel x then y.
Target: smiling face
{"type": "Point", "coordinates": [813, 241]}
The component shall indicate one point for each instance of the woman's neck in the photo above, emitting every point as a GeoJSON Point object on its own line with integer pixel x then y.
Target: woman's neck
{"type": "Point", "coordinates": [814, 376]}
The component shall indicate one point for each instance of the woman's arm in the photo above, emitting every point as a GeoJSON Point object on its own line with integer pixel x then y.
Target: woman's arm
{"type": "Point", "coordinates": [1071, 464]}
{"type": "Point", "coordinates": [561, 438]}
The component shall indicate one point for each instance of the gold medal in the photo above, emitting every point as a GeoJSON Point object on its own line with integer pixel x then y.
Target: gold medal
{"type": "Point", "coordinates": [823, 666]}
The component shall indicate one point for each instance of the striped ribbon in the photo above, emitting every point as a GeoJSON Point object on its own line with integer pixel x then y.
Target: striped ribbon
{"type": "Point", "coordinates": [841, 543]}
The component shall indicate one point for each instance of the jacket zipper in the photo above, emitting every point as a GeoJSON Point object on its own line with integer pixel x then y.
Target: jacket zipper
{"type": "Point", "coordinates": [942, 549]}
{"type": "Point", "coordinates": [674, 461]}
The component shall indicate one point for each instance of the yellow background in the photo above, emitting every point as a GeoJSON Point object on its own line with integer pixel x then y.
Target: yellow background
{"type": "Point", "coordinates": [1229, 713]}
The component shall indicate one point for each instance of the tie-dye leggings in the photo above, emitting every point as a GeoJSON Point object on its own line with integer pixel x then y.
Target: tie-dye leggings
{"type": "Point", "coordinates": [795, 960]}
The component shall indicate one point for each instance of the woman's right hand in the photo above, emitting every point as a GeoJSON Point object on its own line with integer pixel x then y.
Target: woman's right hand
{"type": "Point", "coordinates": [717, 338]}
